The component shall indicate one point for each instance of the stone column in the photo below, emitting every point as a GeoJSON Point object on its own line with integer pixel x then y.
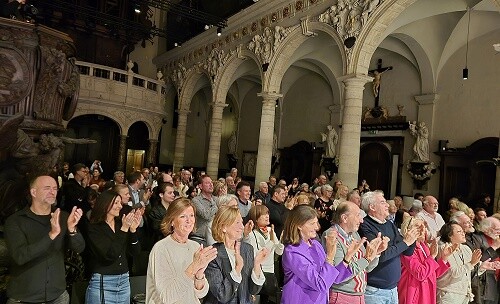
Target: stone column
{"type": "Point", "coordinates": [152, 152]}
{"type": "Point", "coordinates": [215, 138]}
{"type": "Point", "coordinates": [351, 129]}
{"type": "Point", "coordinates": [264, 154]}
{"type": "Point", "coordinates": [122, 153]}
{"type": "Point", "coordinates": [180, 140]}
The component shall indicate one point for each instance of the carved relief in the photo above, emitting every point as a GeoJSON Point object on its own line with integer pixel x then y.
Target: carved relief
{"type": "Point", "coordinates": [265, 45]}
{"type": "Point", "coordinates": [58, 80]}
{"type": "Point", "coordinates": [15, 78]}
{"type": "Point", "coordinates": [179, 76]}
{"type": "Point", "coordinates": [70, 90]}
{"type": "Point", "coordinates": [215, 62]}
{"type": "Point", "coordinates": [349, 16]}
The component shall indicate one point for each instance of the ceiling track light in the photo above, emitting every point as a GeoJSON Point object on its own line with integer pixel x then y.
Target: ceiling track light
{"type": "Point", "coordinates": [137, 8]}
{"type": "Point", "coordinates": [219, 31]}
{"type": "Point", "coordinates": [465, 71]}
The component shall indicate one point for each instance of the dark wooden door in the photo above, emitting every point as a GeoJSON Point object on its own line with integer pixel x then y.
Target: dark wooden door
{"type": "Point", "coordinates": [375, 167]}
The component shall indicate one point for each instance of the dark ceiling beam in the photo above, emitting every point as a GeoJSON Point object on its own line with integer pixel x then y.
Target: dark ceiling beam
{"type": "Point", "coordinates": [188, 12]}
{"type": "Point", "coordinates": [87, 13]}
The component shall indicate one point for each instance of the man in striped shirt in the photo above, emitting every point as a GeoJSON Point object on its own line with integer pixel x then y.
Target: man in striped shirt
{"type": "Point", "coordinates": [346, 221]}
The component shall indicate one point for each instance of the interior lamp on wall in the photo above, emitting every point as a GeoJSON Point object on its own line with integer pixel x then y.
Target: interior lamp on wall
{"type": "Point", "coordinates": [465, 71]}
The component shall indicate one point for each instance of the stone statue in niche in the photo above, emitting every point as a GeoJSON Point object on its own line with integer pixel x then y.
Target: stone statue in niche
{"type": "Point", "coordinates": [231, 144]}
{"type": "Point", "coordinates": [421, 146]}
{"type": "Point", "coordinates": [331, 138]}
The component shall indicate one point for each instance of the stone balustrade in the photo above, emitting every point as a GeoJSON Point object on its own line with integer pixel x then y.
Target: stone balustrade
{"type": "Point", "coordinates": [100, 83]}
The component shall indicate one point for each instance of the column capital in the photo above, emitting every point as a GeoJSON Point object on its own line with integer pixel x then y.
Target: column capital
{"type": "Point", "coordinates": [123, 136]}
{"type": "Point", "coordinates": [427, 99]}
{"type": "Point", "coordinates": [355, 79]}
{"type": "Point", "coordinates": [269, 95]}
{"type": "Point", "coordinates": [182, 111]}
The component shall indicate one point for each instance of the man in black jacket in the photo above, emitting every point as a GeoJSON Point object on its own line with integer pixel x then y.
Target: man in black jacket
{"type": "Point", "coordinates": [37, 239]}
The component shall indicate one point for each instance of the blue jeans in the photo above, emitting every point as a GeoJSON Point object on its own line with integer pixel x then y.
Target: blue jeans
{"type": "Point", "coordinates": [115, 289]}
{"type": "Point", "coordinates": [375, 295]}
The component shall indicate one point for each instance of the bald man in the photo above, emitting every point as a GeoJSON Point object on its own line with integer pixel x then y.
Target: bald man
{"type": "Point", "coordinates": [37, 238]}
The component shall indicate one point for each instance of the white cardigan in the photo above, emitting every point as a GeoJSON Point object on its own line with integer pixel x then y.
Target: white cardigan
{"type": "Point", "coordinates": [257, 240]}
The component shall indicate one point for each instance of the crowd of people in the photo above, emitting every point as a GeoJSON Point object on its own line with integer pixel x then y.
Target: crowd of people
{"type": "Point", "coordinates": [214, 241]}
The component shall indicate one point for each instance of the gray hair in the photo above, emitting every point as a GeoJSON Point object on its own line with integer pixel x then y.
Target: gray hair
{"type": "Point", "coordinates": [416, 206]}
{"type": "Point", "coordinates": [262, 184]}
{"type": "Point", "coordinates": [325, 188]}
{"type": "Point", "coordinates": [225, 199]}
{"type": "Point", "coordinates": [455, 217]}
{"type": "Point", "coordinates": [486, 224]}
{"type": "Point", "coordinates": [368, 199]}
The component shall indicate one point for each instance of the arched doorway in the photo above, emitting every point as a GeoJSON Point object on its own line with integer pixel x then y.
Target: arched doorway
{"type": "Point", "coordinates": [97, 127]}
{"type": "Point", "coordinates": [375, 167]}
{"type": "Point", "coordinates": [137, 145]}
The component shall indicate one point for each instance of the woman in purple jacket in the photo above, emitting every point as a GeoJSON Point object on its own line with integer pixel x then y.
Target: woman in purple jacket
{"type": "Point", "coordinates": [309, 272]}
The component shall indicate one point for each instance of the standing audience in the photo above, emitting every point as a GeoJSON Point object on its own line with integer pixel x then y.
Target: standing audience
{"type": "Point", "coordinates": [235, 274]}
{"type": "Point", "coordinates": [347, 219]}
{"type": "Point", "coordinates": [383, 280]}
{"type": "Point", "coordinates": [309, 271]}
{"type": "Point", "coordinates": [263, 236]}
{"type": "Point", "coordinates": [110, 240]}
{"type": "Point", "coordinates": [176, 270]}
{"type": "Point", "coordinates": [37, 238]}
{"type": "Point", "coordinates": [420, 271]}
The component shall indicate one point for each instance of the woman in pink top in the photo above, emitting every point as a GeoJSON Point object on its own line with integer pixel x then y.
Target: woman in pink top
{"type": "Point", "coordinates": [420, 271]}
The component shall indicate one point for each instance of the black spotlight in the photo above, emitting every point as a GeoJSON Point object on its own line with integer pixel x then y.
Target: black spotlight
{"type": "Point", "coordinates": [265, 66]}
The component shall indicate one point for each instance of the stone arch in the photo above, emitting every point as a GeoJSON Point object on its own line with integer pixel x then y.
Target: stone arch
{"type": "Point", "coordinates": [188, 89]}
{"type": "Point", "coordinates": [427, 78]}
{"type": "Point", "coordinates": [281, 60]}
{"type": "Point", "coordinates": [153, 129]}
{"type": "Point", "coordinates": [226, 77]}
{"type": "Point", "coordinates": [371, 35]}
{"type": "Point", "coordinates": [118, 119]}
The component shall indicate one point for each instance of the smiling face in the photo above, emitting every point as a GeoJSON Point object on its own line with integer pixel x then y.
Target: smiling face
{"type": "Point", "coordinates": [125, 195]}
{"type": "Point", "coordinates": [263, 220]}
{"type": "Point", "coordinates": [380, 208]}
{"type": "Point", "coordinates": [44, 190]}
{"type": "Point", "coordinates": [457, 235]}
{"type": "Point", "coordinates": [184, 223]}
{"type": "Point", "coordinates": [235, 230]}
{"type": "Point", "coordinates": [244, 193]}
{"type": "Point", "coordinates": [115, 207]}
{"type": "Point", "coordinates": [309, 229]}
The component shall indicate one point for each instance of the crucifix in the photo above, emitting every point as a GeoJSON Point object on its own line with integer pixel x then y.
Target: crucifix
{"type": "Point", "coordinates": [377, 77]}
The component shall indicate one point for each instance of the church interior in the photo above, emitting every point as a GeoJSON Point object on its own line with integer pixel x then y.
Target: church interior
{"type": "Point", "coordinates": [410, 87]}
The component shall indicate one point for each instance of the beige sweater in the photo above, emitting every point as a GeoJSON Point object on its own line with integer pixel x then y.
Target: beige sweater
{"type": "Point", "coordinates": [458, 278]}
{"type": "Point", "coordinates": [166, 281]}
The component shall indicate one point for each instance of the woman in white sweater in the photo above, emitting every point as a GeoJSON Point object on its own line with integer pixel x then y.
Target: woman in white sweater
{"type": "Point", "coordinates": [176, 270]}
{"type": "Point", "coordinates": [454, 287]}
{"type": "Point", "coordinates": [263, 236]}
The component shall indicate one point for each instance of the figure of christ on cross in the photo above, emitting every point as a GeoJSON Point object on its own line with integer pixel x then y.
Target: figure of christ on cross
{"type": "Point", "coordinates": [377, 78]}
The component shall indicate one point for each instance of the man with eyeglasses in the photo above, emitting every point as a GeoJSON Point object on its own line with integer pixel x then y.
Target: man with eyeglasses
{"type": "Point", "coordinates": [430, 215]}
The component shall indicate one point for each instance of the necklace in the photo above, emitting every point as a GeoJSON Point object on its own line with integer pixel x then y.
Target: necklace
{"type": "Point", "coordinates": [176, 239]}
